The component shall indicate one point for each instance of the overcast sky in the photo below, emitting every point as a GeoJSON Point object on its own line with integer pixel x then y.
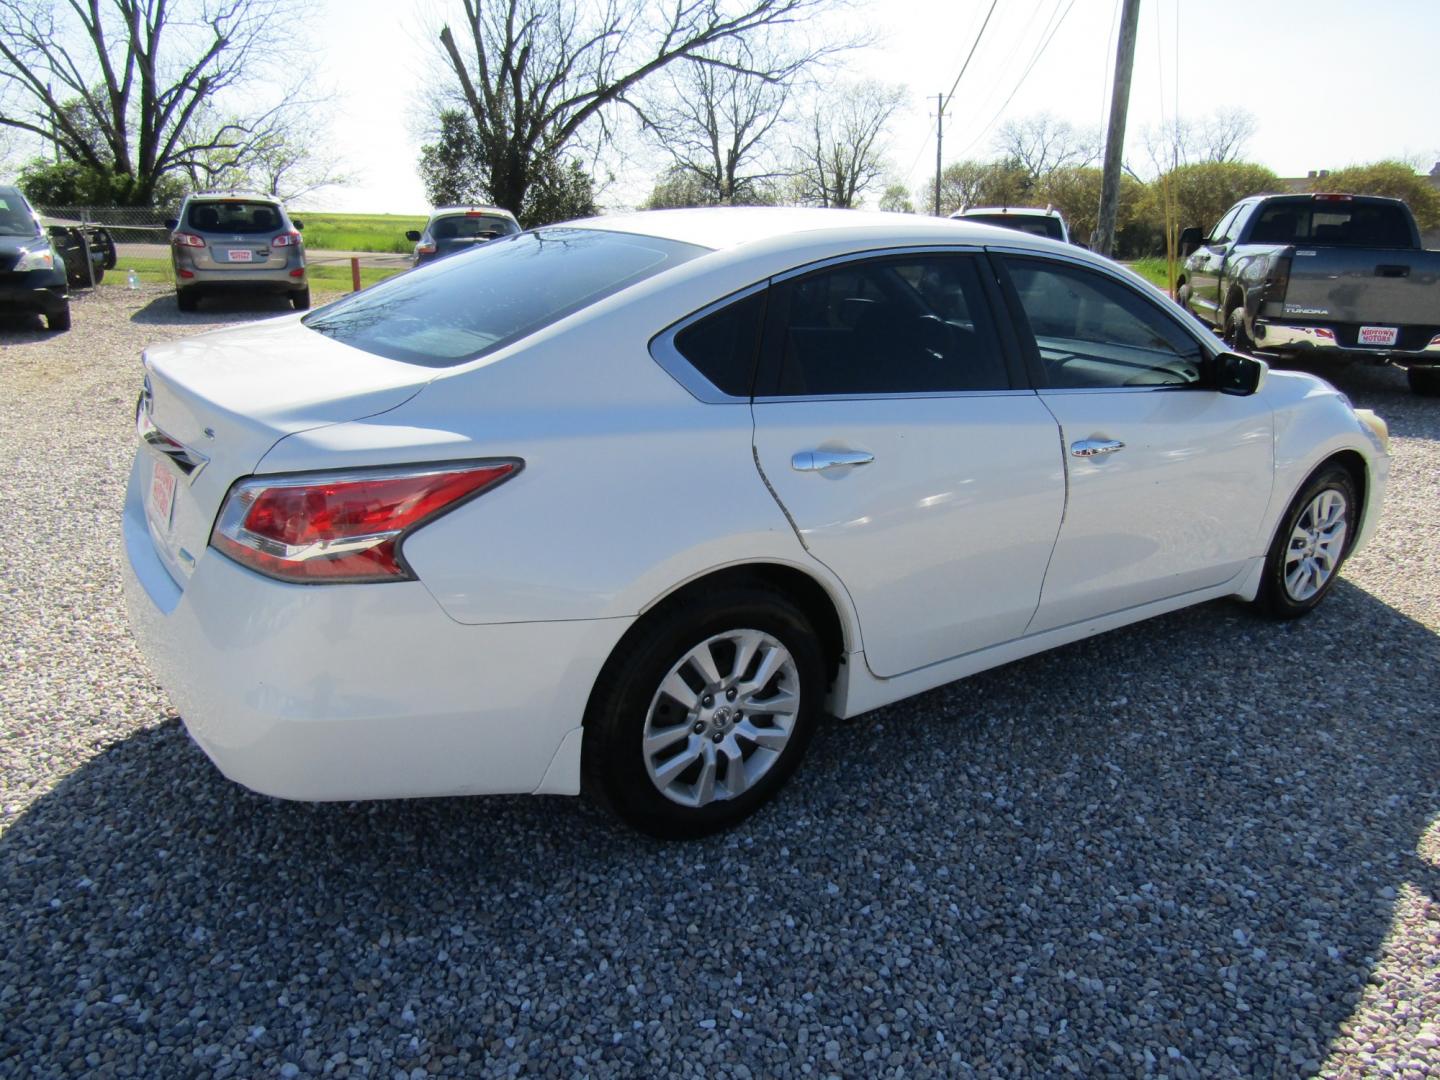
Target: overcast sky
{"type": "Point", "coordinates": [1330, 82]}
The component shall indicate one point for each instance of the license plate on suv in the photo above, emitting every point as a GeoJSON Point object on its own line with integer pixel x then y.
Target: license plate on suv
{"type": "Point", "coordinates": [1378, 335]}
{"type": "Point", "coordinates": [241, 255]}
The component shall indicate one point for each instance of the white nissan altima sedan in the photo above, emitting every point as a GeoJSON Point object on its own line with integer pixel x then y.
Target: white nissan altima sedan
{"type": "Point", "coordinates": [627, 504]}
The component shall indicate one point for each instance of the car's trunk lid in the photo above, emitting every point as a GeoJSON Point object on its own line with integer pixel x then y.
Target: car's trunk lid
{"type": "Point", "coordinates": [215, 404]}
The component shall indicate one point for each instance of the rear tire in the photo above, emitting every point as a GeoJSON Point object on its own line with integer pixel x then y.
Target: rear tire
{"type": "Point", "coordinates": [1237, 337]}
{"type": "Point", "coordinates": [1424, 381]}
{"type": "Point", "coordinates": [59, 321]}
{"type": "Point", "coordinates": [677, 753]}
{"type": "Point", "coordinates": [300, 300]}
{"type": "Point", "coordinates": [1311, 544]}
{"type": "Point", "coordinates": [186, 299]}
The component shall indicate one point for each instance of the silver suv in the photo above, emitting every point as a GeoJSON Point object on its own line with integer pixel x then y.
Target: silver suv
{"type": "Point", "coordinates": [237, 241]}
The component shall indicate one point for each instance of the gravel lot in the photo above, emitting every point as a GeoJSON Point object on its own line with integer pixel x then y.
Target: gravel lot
{"type": "Point", "coordinates": [1204, 846]}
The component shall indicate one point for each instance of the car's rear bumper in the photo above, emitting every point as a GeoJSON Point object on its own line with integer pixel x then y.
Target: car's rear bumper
{"type": "Point", "coordinates": [359, 691]}
{"type": "Point", "coordinates": [1339, 341]}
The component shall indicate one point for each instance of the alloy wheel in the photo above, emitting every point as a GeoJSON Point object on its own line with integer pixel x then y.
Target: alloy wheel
{"type": "Point", "coordinates": [1317, 543]}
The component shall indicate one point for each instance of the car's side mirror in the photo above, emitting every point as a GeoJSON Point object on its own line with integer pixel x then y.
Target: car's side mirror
{"type": "Point", "coordinates": [1189, 240]}
{"type": "Point", "coordinates": [1239, 375]}
{"type": "Point", "coordinates": [413, 235]}
{"type": "Point", "coordinates": [172, 223]}
{"type": "Point", "coordinates": [299, 225]}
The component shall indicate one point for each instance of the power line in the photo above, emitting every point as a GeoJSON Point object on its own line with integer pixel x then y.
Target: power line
{"type": "Point", "coordinates": [975, 45]}
{"type": "Point", "coordinates": [1026, 74]}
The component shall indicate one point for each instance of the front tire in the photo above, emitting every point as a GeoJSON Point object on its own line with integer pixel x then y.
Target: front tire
{"type": "Point", "coordinates": [1311, 545]}
{"type": "Point", "coordinates": [1424, 381]}
{"type": "Point", "coordinates": [702, 714]}
{"type": "Point", "coordinates": [58, 321]}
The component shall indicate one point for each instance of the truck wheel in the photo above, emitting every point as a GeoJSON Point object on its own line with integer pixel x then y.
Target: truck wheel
{"type": "Point", "coordinates": [1237, 338]}
{"type": "Point", "coordinates": [1424, 381]}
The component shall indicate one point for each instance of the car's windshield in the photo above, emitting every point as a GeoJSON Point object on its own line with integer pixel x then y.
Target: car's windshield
{"type": "Point", "coordinates": [477, 301]}
{"type": "Point", "coordinates": [233, 216]}
{"type": "Point", "coordinates": [1333, 221]}
{"type": "Point", "coordinates": [1034, 224]}
{"type": "Point", "coordinates": [15, 216]}
{"type": "Point", "coordinates": [471, 226]}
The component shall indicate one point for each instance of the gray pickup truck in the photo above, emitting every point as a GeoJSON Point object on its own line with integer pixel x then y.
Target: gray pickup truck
{"type": "Point", "coordinates": [1319, 275]}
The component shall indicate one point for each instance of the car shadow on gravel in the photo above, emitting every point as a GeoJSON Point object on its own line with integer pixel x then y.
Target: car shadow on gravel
{"type": "Point", "coordinates": [222, 308]}
{"type": "Point", "coordinates": [16, 329]}
{"type": "Point", "coordinates": [1140, 853]}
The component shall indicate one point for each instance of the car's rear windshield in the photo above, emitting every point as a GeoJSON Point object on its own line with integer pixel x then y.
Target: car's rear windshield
{"type": "Point", "coordinates": [15, 219]}
{"type": "Point", "coordinates": [233, 216]}
{"type": "Point", "coordinates": [1333, 221]}
{"type": "Point", "coordinates": [460, 308]}
{"type": "Point", "coordinates": [470, 226]}
{"type": "Point", "coordinates": [1034, 224]}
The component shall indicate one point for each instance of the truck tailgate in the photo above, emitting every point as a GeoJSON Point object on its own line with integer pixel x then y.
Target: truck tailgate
{"type": "Point", "coordinates": [1373, 286]}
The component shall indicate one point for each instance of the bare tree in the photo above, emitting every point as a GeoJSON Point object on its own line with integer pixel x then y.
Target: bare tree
{"type": "Point", "coordinates": [843, 155]}
{"type": "Point", "coordinates": [1042, 143]}
{"type": "Point", "coordinates": [718, 121]}
{"type": "Point", "coordinates": [289, 162]}
{"type": "Point", "coordinates": [1218, 137]}
{"type": "Point", "coordinates": [533, 73]}
{"type": "Point", "coordinates": [139, 89]}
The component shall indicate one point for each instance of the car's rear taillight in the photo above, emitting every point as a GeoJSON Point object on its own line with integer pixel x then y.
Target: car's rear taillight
{"type": "Point", "coordinates": [286, 239]}
{"type": "Point", "coordinates": [185, 239]}
{"type": "Point", "coordinates": [1277, 277]}
{"type": "Point", "coordinates": [1327, 196]}
{"type": "Point", "coordinates": [343, 527]}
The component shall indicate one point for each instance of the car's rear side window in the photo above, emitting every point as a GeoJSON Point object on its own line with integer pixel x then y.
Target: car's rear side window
{"type": "Point", "coordinates": [234, 216]}
{"type": "Point", "coordinates": [914, 324]}
{"type": "Point", "coordinates": [723, 346]}
{"type": "Point", "coordinates": [460, 308]}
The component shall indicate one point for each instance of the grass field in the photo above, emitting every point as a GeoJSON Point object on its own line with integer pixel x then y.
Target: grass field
{"type": "Point", "coordinates": [359, 232]}
{"type": "Point", "coordinates": [1152, 270]}
{"type": "Point", "coordinates": [330, 278]}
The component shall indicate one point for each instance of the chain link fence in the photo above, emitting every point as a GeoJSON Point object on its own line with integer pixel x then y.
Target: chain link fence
{"type": "Point", "coordinates": [95, 239]}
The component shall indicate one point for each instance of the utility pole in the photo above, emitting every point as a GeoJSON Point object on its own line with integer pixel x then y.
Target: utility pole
{"type": "Point", "coordinates": [939, 139]}
{"type": "Point", "coordinates": [1104, 239]}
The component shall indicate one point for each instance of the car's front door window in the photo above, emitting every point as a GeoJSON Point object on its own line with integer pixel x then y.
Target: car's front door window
{"type": "Point", "coordinates": [1091, 331]}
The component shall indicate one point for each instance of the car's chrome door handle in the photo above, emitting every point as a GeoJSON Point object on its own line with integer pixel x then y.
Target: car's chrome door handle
{"type": "Point", "coordinates": [816, 460]}
{"type": "Point", "coordinates": [1095, 447]}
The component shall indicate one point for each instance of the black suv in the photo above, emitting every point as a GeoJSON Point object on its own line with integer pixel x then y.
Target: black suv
{"type": "Point", "coordinates": [32, 272]}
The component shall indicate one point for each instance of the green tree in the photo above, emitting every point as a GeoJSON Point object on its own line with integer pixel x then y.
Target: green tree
{"type": "Point", "coordinates": [451, 169]}
{"type": "Point", "coordinates": [678, 188]}
{"type": "Point", "coordinates": [1392, 178]}
{"type": "Point", "coordinates": [980, 183]}
{"type": "Point", "coordinates": [1201, 193]}
{"type": "Point", "coordinates": [897, 200]}
{"type": "Point", "coordinates": [1074, 190]}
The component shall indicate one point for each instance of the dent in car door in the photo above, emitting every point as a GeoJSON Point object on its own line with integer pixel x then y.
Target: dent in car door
{"type": "Point", "coordinates": [1168, 479]}
{"type": "Point", "coordinates": [887, 426]}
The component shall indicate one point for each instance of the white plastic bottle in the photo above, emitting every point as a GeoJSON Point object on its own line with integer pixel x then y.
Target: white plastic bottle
{"type": "Point", "coordinates": [131, 281]}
